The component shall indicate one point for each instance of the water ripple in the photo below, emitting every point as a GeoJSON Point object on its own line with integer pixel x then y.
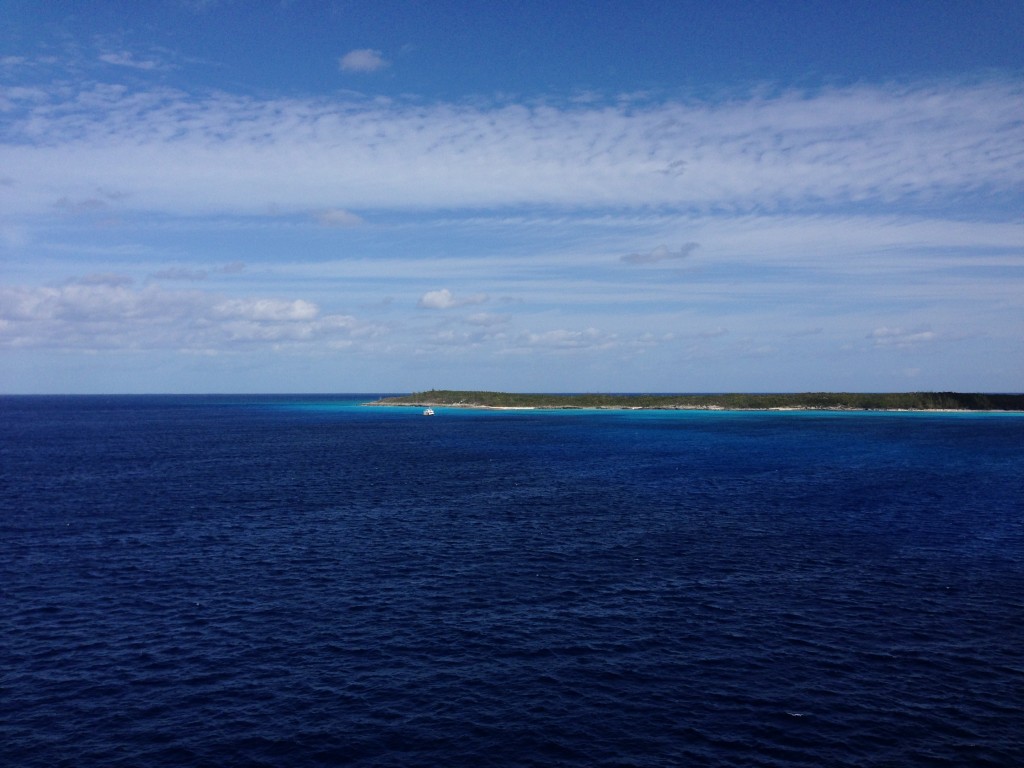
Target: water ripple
{"type": "Point", "coordinates": [236, 584]}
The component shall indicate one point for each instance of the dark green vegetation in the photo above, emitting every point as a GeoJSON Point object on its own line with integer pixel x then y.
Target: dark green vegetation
{"type": "Point", "coordinates": [916, 401]}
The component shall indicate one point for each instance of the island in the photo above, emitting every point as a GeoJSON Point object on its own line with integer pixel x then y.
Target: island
{"type": "Point", "coordinates": [832, 401]}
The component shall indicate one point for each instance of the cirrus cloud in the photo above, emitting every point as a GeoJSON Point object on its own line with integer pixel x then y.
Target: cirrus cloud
{"type": "Point", "coordinates": [900, 337]}
{"type": "Point", "coordinates": [661, 253]}
{"type": "Point", "coordinates": [565, 339]}
{"type": "Point", "coordinates": [163, 150]}
{"type": "Point", "coordinates": [127, 59]}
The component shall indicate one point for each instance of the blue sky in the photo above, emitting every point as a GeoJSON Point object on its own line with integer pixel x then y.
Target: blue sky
{"type": "Point", "coordinates": [526, 196]}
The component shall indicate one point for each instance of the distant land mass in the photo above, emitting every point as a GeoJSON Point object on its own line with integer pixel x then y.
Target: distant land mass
{"type": "Point", "coordinates": [831, 401]}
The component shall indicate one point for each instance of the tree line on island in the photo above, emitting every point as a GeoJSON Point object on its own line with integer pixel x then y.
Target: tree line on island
{"type": "Point", "coordinates": [861, 401]}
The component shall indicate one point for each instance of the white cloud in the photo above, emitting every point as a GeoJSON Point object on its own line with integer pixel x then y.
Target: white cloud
{"type": "Point", "coordinates": [266, 309]}
{"type": "Point", "coordinates": [338, 217]}
{"type": "Point", "coordinates": [362, 60]}
{"type": "Point", "coordinates": [444, 299]}
{"type": "Point", "coordinates": [441, 299]}
{"type": "Point", "coordinates": [127, 59]}
{"type": "Point", "coordinates": [110, 314]}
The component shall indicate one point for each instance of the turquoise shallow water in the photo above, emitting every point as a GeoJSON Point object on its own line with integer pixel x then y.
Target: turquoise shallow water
{"type": "Point", "coordinates": [306, 581]}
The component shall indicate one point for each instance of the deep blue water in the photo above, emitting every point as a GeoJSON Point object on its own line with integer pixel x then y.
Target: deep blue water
{"type": "Point", "coordinates": [276, 581]}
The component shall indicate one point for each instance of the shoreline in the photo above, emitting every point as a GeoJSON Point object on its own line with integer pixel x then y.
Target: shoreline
{"type": "Point", "coordinates": [932, 402]}
{"type": "Point", "coordinates": [718, 408]}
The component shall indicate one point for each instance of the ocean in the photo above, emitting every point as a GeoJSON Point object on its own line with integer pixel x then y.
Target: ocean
{"type": "Point", "coordinates": [304, 581]}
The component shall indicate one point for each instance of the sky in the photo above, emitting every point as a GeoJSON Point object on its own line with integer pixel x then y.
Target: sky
{"type": "Point", "coordinates": [394, 196]}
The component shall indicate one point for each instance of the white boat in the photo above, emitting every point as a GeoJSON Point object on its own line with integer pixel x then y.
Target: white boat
{"type": "Point", "coordinates": [428, 412]}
